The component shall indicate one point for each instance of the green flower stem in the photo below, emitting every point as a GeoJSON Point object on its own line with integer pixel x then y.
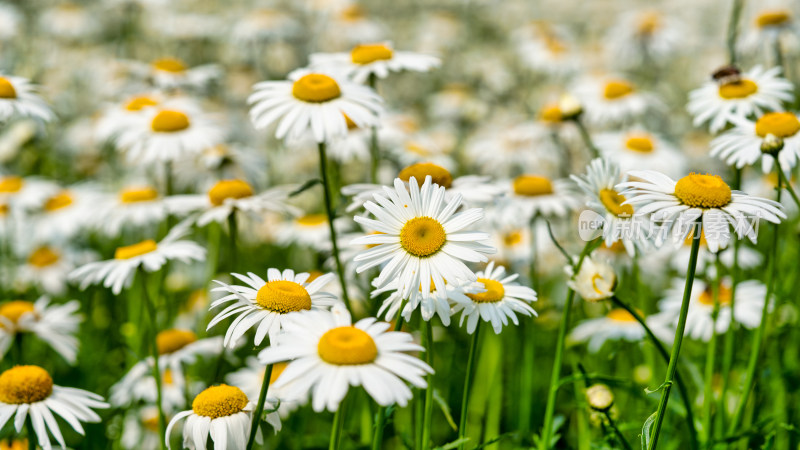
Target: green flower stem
{"type": "Point", "coordinates": [380, 423]}
{"type": "Point", "coordinates": [151, 312]}
{"type": "Point", "coordinates": [562, 335]}
{"type": "Point", "coordinates": [787, 185]}
{"type": "Point", "coordinates": [428, 414]}
{"type": "Point", "coordinates": [758, 338]}
{"type": "Point", "coordinates": [473, 350]}
{"type": "Point", "coordinates": [733, 28]}
{"type": "Point", "coordinates": [262, 397]}
{"type": "Point", "coordinates": [31, 434]}
{"type": "Point", "coordinates": [233, 233]}
{"type": "Point", "coordinates": [711, 354]}
{"type": "Point", "coordinates": [620, 436]}
{"type": "Point", "coordinates": [687, 402]}
{"type": "Point", "coordinates": [326, 187]}
{"type": "Point", "coordinates": [676, 346]}
{"type": "Point", "coordinates": [587, 138]}
{"type": "Point", "coordinates": [375, 151]}
{"type": "Point", "coordinates": [336, 429]}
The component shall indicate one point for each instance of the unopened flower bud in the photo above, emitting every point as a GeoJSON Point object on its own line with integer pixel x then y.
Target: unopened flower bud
{"type": "Point", "coordinates": [771, 144]}
{"type": "Point", "coordinates": [570, 107]}
{"type": "Point", "coordinates": [599, 397]}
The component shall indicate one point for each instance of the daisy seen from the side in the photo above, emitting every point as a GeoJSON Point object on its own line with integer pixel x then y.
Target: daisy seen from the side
{"type": "Point", "coordinates": [375, 59]}
{"type": "Point", "coordinates": [749, 141]}
{"type": "Point", "coordinates": [55, 324]}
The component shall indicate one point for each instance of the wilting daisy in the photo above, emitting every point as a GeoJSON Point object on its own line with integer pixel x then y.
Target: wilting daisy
{"type": "Point", "coordinates": [18, 99]}
{"type": "Point", "coordinates": [530, 195]}
{"type": "Point", "coordinates": [28, 391]}
{"type": "Point", "coordinates": [742, 145]}
{"type": "Point", "coordinates": [229, 196]}
{"type": "Point", "coordinates": [313, 103]}
{"type": "Point", "coordinates": [378, 59]}
{"type": "Point", "coordinates": [56, 325]}
{"type": "Point", "coordinates": [614, 101]}
{"type": "Point", "coordinates": [221, 412]}
{"type": "Point", "coordinates": [637, 149]}
{"type": "Point", "coordinates": [134, 206]}
{"type": "Point", "coordinates": [150, 256]}
{"type": "Point", "coordinates": [731, 96]}
{"type": "Point", "coordinates": [698, 197]}
{"type": "Point", "coordinates": [595, 281]}
{"type": "Point", "coordinates": [643, 37]}
{"type": "Point", "coordinates": [268, 304]}
{"type": "Point", "coordinates": [328, 354]}
{"type": "Point", "coordinates": [421, 239]}
{"type": "Point", "coordinates": [617, 324]}
{"type": "Point", "coordinates": [749, 303]}
{"type": "Point", "coordinates": [501, 300]}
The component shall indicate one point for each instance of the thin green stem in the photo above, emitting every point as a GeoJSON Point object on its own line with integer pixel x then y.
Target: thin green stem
{"type": "Point", "coordinates": [676, 346]}
{"type": "Point", "coordinates": [326, 187]}
{"type": "Point", "coordinates": [711, 354]}
{"type": "Point", "coordinates": [620, 436]}
{"type": "Point", "coordinates": [262, 397]}
{"type": "Point", "coordinates": [473, 350]}
{"type": "Point", "coordinates": [380, 422]}
{"type": "Point", "coordinates": [787, 184]}
{"type": "Point", "coordinates": [336, 428]}
{"type": "Point", "coordinates": [587, 138]}
{"type": "Point", "coordinates": [31, 434]}
{"type": "Point", "coordinates": [375, 151]}
{"type": "Point", "coordinates": [428, 415]}
{"type": "Point", "coordinates": [233, 234]}
{"type": "Point", "coordinates": [151, 311]}
{"type": "Point", "coordinates": [733, 29]}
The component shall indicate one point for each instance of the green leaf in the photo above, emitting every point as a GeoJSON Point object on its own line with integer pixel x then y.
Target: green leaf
{"type": "Point", "coordinates": [445, 409]}
{"type": "Point", "coordinates": [305, 186]}
{"type": "Point", "coordinates": [453, 444]}
{"type": "Point", "coordinates": [648, 424]}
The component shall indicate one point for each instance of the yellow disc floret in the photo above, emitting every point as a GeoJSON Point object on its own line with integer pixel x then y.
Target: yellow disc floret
{"type": "Point", "coordinates": [139, 103]}
{"type": "Point", "coordinates": [617, 89]}
{"type": "Point", "coordinates": [613, 202]}
{"type": "Point", "coordinates": [739, 89]}
{"type": "Point", "coordinates": [779, 124]}
{"type": "Point", "coordinates": [316, 88]}
{"type": "Point", "coordinates": [7, 89]}
{"type": "Point", "coordinates": [25, 384]}
{"type": "Point", "coordinates": [58, 201]}
{"type": "Point", "coordinates": [641, 143]}
{"type": "Point", "coordinates": [11, 184]}
{"type": "Point", "coordinates": [225, 189]}
{"type": "Point", "coordinates": [347, 346]}
{"type": "Point", "coordinates": [703, 191]}
{"type": "Point", "coordinates": [620, 315]}
{"type": "Point", "coordinates": [707, 296]}
{"type": "Point", "coordinates": [312, 220]}
{"type": "Point", "coordinates": [774, 18]}
{"type": "Point", "coordinates": [551, 113]}
{"type": "Point", "coordinates": [219, 401]}
{"type": "Point", "coordinates": [169, 121]}
{"type": "Point", "coordinates": [438, 174]}
{"type": "Point", "coordinates": [532, 185]}
{"type": "Point", "coordinates": [494, 292]}
{"type": "Point", "coordinates": [367, 53]}
{"type": "Point", "coordinates": [169, 65]}
{"type": "Point", "coordinates": [13, 310]}
{"type": "Point", "coordinates": [283, 296]}
{"type": "Point", "coordinates": [43, 257]}
{"type": "Point", "coordinates": [131, 251]}
{"type": "Point", "coordinates": [170, 341]}
{"type": "Point", "coordinates": [422, 236]}
{"type": "Point", "coordinates": [135, 195]}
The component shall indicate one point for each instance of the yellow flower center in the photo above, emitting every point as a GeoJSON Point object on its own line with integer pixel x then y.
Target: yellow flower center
{"type": "Point", "coordinates": [7, 89]}
{"type": "Point", "coordinates": [312, 220]}
{"type": "Point", "coordinates": [707, 296]}
{"type": "Point", "coordinates": [613, 202]}
{"type": "Point", "coordinates": [617, 89]}
{"type": "Point", "coordinates": [438, 174]}
{"type": "Point", "coordinates": [151, 423]}
{"type": "Point", "coordinates": [739, 89]}
{"type": "Point", "coordinates": [58, 201]}
{"type": "Point", "coordinates": [641, 143]}
{"type": "Point", "coordinates": [316, 88]}
{"type": "Point", "coordinates": [494, 292]}
{"type": "Point", "coordinates": [25, 384]}
{"type": "Point", "coordinates": [169, 121]}
{"type": "Point", "coordinates": [13, 310]}
{"type": "Point", "coordinates": [139, 103]}
{"type": "Point", "coordinates": [14, 444]}
{"type": "Point", "coordinates": [169, 65]}
{"type": "Point", "coordinates": [351, 13]}
{"type": "Point", "coordinates": [703, 191]}
{"type": "Point", "coordinates": [648, 24]}
{"type": "Point", "coordinates": [422, 236]}
{"type": "Point", "coordinates": [283, 297]}
{"type": "Point", "coordinates": [551, 113]}
{"type": "Point", "coordinates": [779, 124]}
{"type": "Point", "coordinates": [135, 195]}
{"type": "Point", "coordinates": [170, 341]}
{"type": "Point", "coordinates": [11, 184]}
{"type": "Point", "coordinates": [131, 251]}
{"type": "Point", "coordinates": [43, 257]}
{"type": "Point", "coordinates": [773, 18]}
{"type": "Point", "coordinates": [367, 53]}
{"type": "Point", "coordinates": [219, 401]}
{"type": "Point", "coordinates": [532, 185]}
{"type": "Point", "coordinates": [225, 189]}
{"type": "Point", "coordinates": [345, 346]}
{"type": "Point", "coordinates": [620, 315]}
{"type": "Point", "coordinates": [512, 238]}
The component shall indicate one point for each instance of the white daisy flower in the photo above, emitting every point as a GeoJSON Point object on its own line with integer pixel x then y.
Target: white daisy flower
{"type": "Point", "coordinates": [637, 149]}
{"type": "Point", "coordinates": [47, 267]}
{"type": "Point", "coordinates": [138, 386]}
{"type": "Point", "coordinates": [504, 148]}
{"type": "Point", "coordinates": [772, 21]}
{"type": "Point", "coordinates": [309, 230]}
{"type": "Point", "coordinates": [595, 281]}
{"type": "Point", "coordinates": [134, 207]}
{"type": "Point", "coordinates": [120, 117]}
{"type": "Point", "coordinates": [643, 37]}
{"type": "Point", "coordinates": [56, 325]}
{"type": "Point", "coordinates": [421, 147]}
{"type": "Point", "coordinates": [18, 99]}
{"type": "Point", "coordinates": [618, 324]}
{"type": "Point", "coordinates": [28, 391]}
{"type": "Point", "coordinates": [378, 59]}
{"type": "Point", "coordinates": [750, 296]}
{"type": "Point", "coordinates": [547, 48]}
{"type": "Point", "coordinates": [221, 412]}
{"type": "Point", "coordinates": [437, 303]}
{"type": "Point", "coordinates": [614, 101]}
{"type": "Point", "coordinates": [315, 104]}
{"type": "Point", "coordinates": [328, 354]}
{"type": "Point", "coordinates": [66, 212]}
{"type": "Point", "coordinates": [268, 304]}
{"type": "Point", "coordinates": [150, 256]}
{"type": "Point", "coordinates": [501, 300]}
{"type": "Point", "coordinates": [741, 145]}
{"type": "Point", "coordinates": [172, 73]}
{"type": "Point", "coordinates": [229, 196]}
{"type": "Point", "coordinates": [25, 194]}
{"type": "Point", "coordinates": [529, 195]}
{"type": "Point", "coordinates": [733, 96]}
{"type": "Point", "coordinates": [140, 429]}
{"type": "Point", "coordinates": [421, 239]}
{"type": "Point", "coordinates": [696, 197]}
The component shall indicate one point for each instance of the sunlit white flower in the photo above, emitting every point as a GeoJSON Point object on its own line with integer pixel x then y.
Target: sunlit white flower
{"type": "Point", "coordinates": [595, 281]}
{"type": "Point", "coordinates": [56, 325]}
{"type": "Point", "coordinates": [618, 324]}
{"type": "Point", "coordinates": [378, 60]}
{"type": "Point", "coordinates": [328, 354]}
{"type": "Point", "coordinates": [18, 99]}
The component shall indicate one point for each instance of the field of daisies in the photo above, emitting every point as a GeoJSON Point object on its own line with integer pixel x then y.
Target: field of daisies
{"type": "Point", "coordinates": [427, 225]}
